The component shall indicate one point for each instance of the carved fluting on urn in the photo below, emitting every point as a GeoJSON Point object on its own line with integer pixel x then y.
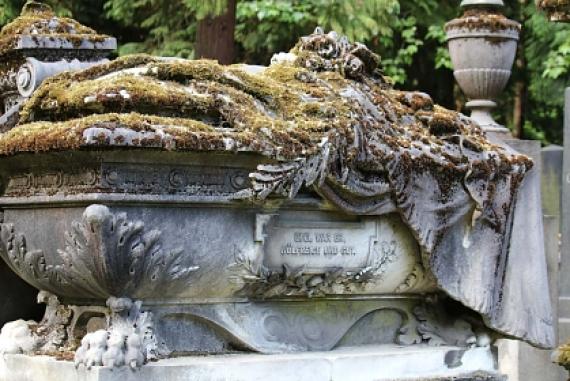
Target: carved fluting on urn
{"type": "Point", "coordinates": [107, 254]}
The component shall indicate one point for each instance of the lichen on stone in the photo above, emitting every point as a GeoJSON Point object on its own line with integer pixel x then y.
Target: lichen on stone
{"type": "Point", "coordinates": [557, 10]}
{"type": "Point", "coordinates": [482, 18]}
{"type": "Point", "coordinates": [561, 356]}
{"type": "Point", "coordinates": [332, 89]}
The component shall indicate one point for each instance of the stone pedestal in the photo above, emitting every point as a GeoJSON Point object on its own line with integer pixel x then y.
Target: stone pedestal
{"type": "Point", "coordinates": [382, 363]}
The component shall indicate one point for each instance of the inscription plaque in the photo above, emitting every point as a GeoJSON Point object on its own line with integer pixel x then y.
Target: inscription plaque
{"type": "Point", "coordinates": [319, 246]}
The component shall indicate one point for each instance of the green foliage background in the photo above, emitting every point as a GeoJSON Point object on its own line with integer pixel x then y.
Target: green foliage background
{"type": "Point", "coordinates": [408, 34]}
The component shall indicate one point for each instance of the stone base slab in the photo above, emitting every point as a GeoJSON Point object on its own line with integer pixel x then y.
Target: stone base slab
{"type": "Point", "coordinates": [379, 363]}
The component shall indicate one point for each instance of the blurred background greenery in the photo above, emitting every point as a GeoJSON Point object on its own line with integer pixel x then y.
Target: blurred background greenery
{"type": "Point", "coordinates": [408, 34]}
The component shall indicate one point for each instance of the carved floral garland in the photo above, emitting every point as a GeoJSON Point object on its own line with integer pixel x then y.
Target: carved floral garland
{"type": "Point", "coordinates": [261, 282]}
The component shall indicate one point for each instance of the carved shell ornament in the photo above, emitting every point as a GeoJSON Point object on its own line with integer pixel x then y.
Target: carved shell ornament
{"type": "Point", "coordinates": [106, 254]}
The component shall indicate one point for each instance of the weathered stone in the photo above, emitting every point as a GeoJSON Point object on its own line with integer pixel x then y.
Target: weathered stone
{"type": "Point", "coordinates": [561, 357]}
{"type": "Point", "coordinates": [556, 10]}
{"type": "Point", "coordinates": [302, 207]}
{"type": "Point", "coordinates": [308, 161]}
{"type": "Point", "coordinates": [397, 364]}
{"type": "Point", "coordinates": [551, 178]}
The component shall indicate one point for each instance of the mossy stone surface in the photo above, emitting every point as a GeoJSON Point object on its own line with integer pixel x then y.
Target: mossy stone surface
{"type": "Point", "coordinates": [38, 25]}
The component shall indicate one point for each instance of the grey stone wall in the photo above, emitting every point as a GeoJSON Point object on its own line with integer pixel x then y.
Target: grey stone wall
{"type": "Point", "coordinates": [520, 361]}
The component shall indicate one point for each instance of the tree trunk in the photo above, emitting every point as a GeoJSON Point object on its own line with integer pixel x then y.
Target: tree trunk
{"type": "Point", "coordinates": [520, 84]}
{"type": "Point", "coordinates": [215, 36]}
{"type": "Point", "coordinates": [518, 109]}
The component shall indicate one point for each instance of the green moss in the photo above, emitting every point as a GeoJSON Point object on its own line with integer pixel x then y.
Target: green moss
{"type": "Point", "coordinates": [284, 111]}
{"type": "Point", "coordinates": [38, 20]}
{"type": "Point", "coordinates": [562, 356]}
{"type": "Point", "coordinates": [46, 136]}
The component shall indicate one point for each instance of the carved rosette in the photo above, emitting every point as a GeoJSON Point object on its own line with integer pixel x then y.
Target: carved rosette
{"type": "Point", "coordinates": [105, 254]}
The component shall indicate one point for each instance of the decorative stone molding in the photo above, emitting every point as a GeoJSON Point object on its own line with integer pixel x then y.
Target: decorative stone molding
{"type": "Point", "coordinates": [287, 179]}
{"type": "Point", "coordinates": [181, 180]}
{"type": "Point", "coordinates": [38, 45]}
{"type": "Point", "coordinates": [437, 329]}
{"type": "Point", "coordinates": [29, 264]}
{"type": "Point", "coordinates": [128, 338]}
{"type": "Point", "coordinates": [323, 324]}
{"type": "Point", "coordinates": [417, 276]}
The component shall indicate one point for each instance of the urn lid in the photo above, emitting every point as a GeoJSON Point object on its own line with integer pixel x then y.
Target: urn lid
{"type": "Point", "coordinates": [38, 28]}
{"type": "Point", "coordinates": [482, 3]}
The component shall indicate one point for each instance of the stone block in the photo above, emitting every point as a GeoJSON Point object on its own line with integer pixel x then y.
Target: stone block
{"type": "Point", "coordinates": [382, 363]}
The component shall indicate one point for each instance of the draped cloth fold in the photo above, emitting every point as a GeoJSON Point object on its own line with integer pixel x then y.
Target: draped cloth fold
{"type": "Point", "coordinates": [483, 246]}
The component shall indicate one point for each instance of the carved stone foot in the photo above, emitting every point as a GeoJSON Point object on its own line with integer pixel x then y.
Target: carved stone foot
{"type": "Point", "coordinates": [127, 341]}
{"type": "Point", "coordinates": [49, 335]}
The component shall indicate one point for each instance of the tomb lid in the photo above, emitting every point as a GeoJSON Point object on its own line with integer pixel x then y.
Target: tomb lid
{"type": "Point", "coordinates": [38, 27]}
{"type": "Point", "coordinates": [556, 10]}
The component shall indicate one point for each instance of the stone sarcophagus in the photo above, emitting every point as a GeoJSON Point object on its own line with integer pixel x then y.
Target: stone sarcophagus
{"type": "Point", "coordinates": [166, 207]}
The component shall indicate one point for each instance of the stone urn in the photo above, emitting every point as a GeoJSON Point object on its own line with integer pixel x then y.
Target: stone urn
{"type": "Point", "coordinates": [483, 46]}
{"type": "Point", "coordinates": [556, 10]}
